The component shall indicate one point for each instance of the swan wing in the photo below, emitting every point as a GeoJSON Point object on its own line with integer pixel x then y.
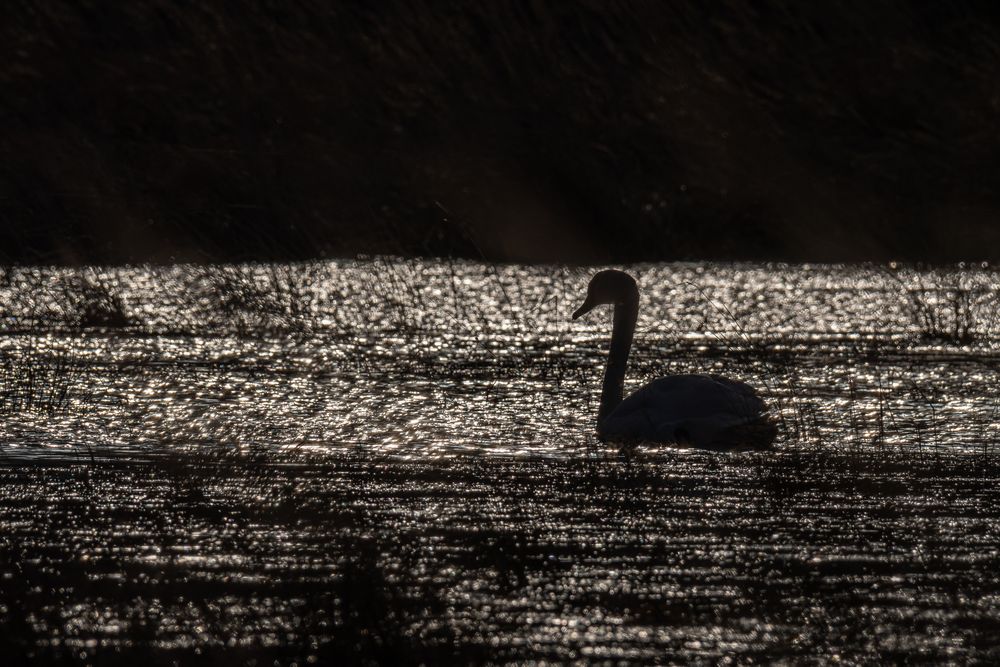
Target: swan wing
{"type": "Point", "coordinates": [700, 410]}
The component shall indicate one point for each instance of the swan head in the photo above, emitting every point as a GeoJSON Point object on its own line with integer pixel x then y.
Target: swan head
{"type": "Point", "coordinates": [611, 286]}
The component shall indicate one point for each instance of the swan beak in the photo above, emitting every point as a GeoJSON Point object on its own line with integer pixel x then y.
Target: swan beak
{"type": "Point", "coordinates": [587, 306]}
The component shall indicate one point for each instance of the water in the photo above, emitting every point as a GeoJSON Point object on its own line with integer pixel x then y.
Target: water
{"type": "Point", "coordinates": [393, 460]}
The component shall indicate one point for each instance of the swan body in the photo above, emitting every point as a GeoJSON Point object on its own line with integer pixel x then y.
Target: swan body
{"type": "Point", "coordinates": [704, 411]}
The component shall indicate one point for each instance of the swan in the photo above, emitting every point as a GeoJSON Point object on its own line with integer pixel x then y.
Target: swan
{"type": "Point", "coordinates": [702, 411]}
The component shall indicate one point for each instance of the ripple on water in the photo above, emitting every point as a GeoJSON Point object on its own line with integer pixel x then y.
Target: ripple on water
{"type": "Point", "coordinates": [421, 358]}
{"type": "Point", "coordinates": [393, 459]}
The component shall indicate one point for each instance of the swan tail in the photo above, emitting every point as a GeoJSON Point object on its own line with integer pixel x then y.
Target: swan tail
{"type": "Point", "coordinates": [752, 436]}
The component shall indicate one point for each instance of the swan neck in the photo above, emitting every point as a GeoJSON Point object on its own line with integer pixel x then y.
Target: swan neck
{"type": "Point", "coordinates": [625, 317]}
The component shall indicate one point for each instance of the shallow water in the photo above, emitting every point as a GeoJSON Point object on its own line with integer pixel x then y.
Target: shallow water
{"type": "Point", "coordinates": [389, 458]}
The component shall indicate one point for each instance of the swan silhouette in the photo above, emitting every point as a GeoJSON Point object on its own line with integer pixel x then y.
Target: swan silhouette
{"type": "Point", "coordinates": [703, 411]}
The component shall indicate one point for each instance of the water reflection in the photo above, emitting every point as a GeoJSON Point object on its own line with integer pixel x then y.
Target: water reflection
{"type": "Point", "coordinates": [775, 556]}
{"type": "Point", "coordinates": [423, 359]}
{"type": "Point", "coordinates": [393, 461]}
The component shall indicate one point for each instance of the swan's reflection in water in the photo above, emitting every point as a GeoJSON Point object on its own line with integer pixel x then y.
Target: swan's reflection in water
{"type": "Point", "coordinates": [394, 458]}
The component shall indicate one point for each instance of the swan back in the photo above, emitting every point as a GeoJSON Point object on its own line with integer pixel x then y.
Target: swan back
{"type": "Point", "coordinates": [705, 411]}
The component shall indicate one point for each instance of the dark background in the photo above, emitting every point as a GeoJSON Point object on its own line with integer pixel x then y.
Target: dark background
{"type": "Point", "coordinates": [162, 130]}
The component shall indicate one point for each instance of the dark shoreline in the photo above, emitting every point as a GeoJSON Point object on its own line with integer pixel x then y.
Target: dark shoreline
{"type": "Point", "coordinates": [507, 132]}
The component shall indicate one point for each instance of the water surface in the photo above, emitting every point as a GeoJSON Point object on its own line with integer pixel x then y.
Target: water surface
{"type": "Point", "coordinates": [388, 458]}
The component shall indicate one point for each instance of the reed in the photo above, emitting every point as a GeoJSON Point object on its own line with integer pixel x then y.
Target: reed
{"type": "Point", "coordinates": [91, 300]}
{"type": "Point", "coordinates": [947, 305]}
{"type": "Point", "coordinates": [262, 298]}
